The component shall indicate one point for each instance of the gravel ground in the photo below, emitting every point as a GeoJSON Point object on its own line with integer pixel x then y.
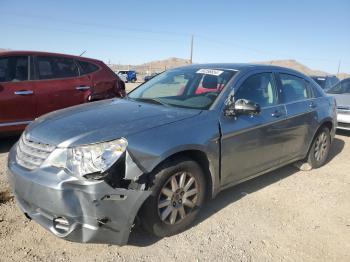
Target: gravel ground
{"type": "Point", "coordinates": [286, 215]}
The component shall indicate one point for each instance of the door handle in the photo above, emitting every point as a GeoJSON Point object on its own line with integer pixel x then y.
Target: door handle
{"type": "Point", "coordinates": [82, 88]}
{"type": "Point", "coordinates": [276, 114]}
{"type": "Point", "coordinates": [312, 105]}
{"type": "Point", "coordinates": [24, 92]}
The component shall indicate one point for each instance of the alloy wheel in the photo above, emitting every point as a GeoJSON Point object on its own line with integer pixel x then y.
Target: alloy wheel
{"type": "Point", "coordinates": [321, 146]}
{"type": "Point", "coordinates": [177, 197]}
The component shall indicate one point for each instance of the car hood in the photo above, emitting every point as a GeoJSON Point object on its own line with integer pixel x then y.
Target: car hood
{"type": "Point", "coordinates": [342, 99]}
{"type": "Point", "coordinates": [102, 121]}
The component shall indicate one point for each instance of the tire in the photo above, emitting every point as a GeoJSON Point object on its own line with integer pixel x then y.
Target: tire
{"type": "Point", "coordinates": [319, 149]}
{"type": "Point", "coordinates": [157, 213]}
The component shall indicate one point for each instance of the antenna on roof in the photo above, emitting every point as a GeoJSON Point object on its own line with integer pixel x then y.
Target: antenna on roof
{"type": "Point", "coordinates": [82, 53]}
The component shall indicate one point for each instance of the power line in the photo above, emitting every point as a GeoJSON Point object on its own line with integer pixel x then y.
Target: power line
{"type": "Point", "coordinates": [140, 30]}
{"type": "Point", "coordinates": [97, 25]}
{"type": "Point", "coordinates": [50, 29]}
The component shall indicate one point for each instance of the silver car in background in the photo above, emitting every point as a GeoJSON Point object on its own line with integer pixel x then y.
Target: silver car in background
{"type": "Point", "coordinates": [341, 92]}
{"type": "Point", "coordinates": [86, 172]}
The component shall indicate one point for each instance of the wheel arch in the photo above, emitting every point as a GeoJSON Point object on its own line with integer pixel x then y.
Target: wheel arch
{"type": "Point", "coordinates": [202, 159]}
{"type": "Point", "coordinates": [328, 122]}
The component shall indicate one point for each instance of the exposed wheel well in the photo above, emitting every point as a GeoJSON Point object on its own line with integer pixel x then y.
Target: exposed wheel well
{"type": "Point", "coordinates": [201, 158]}
{"type": "Point", "coordinates": [327, 124]}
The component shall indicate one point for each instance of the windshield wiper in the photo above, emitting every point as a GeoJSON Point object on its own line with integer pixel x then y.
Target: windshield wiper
{"type": "Point", "coordinates": [150, 100]}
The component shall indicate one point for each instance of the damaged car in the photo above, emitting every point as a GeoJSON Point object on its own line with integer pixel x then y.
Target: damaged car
{"type": "Point", "coordinates": [86, 173]}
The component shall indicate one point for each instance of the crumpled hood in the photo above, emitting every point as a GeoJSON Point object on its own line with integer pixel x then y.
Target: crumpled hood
{"type": "Point", "coordinates": [102, 121]}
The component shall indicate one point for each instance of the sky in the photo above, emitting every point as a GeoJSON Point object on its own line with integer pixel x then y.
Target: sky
{"type": "Point", "coordinates": [315, 33]}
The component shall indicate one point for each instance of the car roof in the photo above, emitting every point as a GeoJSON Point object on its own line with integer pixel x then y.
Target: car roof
{"type": "Point", "coordinates": [245, 67]}
{"type": "Point", "coordinates": [11, 53]}
{"type": "Point", "coordinates": [314, 76]}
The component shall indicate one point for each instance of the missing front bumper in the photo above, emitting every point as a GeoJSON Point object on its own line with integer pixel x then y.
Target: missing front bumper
{"type": "Point", "coordinates": [79, 211]}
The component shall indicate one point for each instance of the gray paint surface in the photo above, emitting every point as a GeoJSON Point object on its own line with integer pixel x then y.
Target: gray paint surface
{"type": "Point", "coordinates": [237, 148]}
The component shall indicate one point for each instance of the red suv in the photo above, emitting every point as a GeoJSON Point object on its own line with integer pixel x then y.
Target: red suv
{"type": "Point", "coordinates": [35, 83]}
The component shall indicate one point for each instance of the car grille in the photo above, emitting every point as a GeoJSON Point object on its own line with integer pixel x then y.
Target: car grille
{"type": "Point", "coordinates": [30, 154]}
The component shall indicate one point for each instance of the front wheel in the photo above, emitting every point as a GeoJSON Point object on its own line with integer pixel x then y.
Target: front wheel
{"type": "Point", "coordinates": [178, 192]}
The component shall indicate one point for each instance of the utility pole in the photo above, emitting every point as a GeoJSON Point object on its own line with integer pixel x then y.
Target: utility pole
{"type": "Point", "coordinates": [191, 56]}
{"type": "Point", "coordinates": [338, 67]}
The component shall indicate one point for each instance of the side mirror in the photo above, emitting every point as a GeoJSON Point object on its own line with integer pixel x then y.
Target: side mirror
{"type": "Point", "coordinates": [242, 107]}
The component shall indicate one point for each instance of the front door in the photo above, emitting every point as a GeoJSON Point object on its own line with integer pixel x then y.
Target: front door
{"type": "Point", "coordinates": [17, 93]}
{"type": "Point", "coordinates": [253, 143]}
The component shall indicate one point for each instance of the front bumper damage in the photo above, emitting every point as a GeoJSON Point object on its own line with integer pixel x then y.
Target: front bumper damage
{"type": "Point", "coordinates": [72, 209]}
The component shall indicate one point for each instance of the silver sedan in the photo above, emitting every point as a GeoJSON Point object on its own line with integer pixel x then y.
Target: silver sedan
{"type": "Point", "coordinates": [85, 173]}
{"type": "Point", "coordinates": [341, 92]}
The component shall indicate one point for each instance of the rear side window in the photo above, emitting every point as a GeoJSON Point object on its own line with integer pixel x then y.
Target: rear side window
{"type": "Point", "coordinates": [259, 88]}
{"type": "Point", "coordinates": [50, 67]}
{"type": "Point", "coordinates": [87, 67]}
{"type": "Point", "coordinates": [334, 81]}
{"type": "Point", "coordinates": [342, 87]}
{"type": "Point", "coordinates": [14, 69]}
{"type": "Point", "coordinates": [294, 88]}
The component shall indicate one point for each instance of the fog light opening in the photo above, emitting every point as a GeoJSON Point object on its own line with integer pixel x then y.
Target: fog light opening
{"type": "Point", "coordinates": [61, 225]}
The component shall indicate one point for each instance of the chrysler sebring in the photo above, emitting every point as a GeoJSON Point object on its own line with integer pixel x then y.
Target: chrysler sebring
{"type": "Point", "coordinates": [86, 172]}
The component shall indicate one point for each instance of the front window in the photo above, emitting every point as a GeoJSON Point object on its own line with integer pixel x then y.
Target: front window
{"type": "Point", "coordinates": [195, 88]}
{"type": "Point", "coordinates": [259, 88]}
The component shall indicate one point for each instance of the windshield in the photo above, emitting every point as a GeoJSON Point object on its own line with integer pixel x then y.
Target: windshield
{"type": "Point", "coordinates": [195, 88]}
{"type": "Point", "coordinates": [340, 88]}
{"type": "Point", "coordinates": [320, 80]}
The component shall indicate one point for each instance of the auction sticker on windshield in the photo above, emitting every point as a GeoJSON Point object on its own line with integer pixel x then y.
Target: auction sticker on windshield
{"type": "Point", "coordinates": [213, 72]}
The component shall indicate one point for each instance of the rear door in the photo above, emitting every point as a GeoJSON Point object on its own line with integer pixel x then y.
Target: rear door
{"type": "Point", "coordinates": [103, 79]}
{"type": "Point", "coordinates": [17, 93]}
{"type": "Point", "coordinates": [302, 115]}
{"type": "Point", "coordinates": [59, 83]}
{"type": "Point", "coordinates": [253, 143]}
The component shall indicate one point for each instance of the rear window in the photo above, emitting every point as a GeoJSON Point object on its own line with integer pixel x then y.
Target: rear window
{"type": "Point", "coordinates": [56, 67]}
{"type": "Point", "coordinates": [294, 88]}
{"type": "Point", "coordinates": [14, 69]}
{"type": "Point", "coordinates": [87, 67]}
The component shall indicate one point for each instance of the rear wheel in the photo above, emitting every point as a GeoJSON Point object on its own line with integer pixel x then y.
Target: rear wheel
{"type": "Point", "coordinates": [318, 152]}
{"type": "Point", "coordinates": [177, 194]}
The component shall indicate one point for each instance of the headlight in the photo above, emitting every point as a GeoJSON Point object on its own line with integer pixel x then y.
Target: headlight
{"type": "Point", "coordinates": [88, 159]}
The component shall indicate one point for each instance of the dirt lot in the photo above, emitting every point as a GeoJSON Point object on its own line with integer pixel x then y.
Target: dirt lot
{"type": "Point", "coordinates": [131, 86]}
{"type": "Point", "coordinates": [285, 215]}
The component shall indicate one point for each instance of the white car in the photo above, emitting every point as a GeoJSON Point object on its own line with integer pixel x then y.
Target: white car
{"type": "Point", "coordinates": [123, 77]}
